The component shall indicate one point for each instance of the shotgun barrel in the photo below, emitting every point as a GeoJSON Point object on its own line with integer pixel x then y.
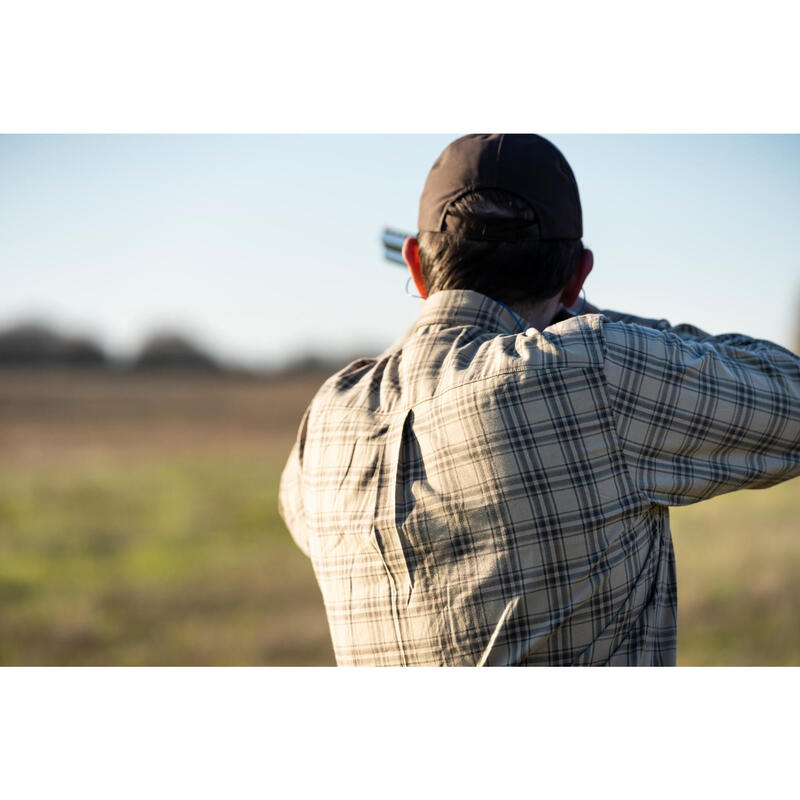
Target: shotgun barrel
{"type": "Point", "coordinates": [392, 244]}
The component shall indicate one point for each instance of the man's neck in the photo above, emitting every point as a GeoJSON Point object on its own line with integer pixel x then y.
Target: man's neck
{"type": "Point", "coordinates": [538, 315]}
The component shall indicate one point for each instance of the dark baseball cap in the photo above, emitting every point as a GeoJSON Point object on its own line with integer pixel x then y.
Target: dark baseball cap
{"type": "Point", "coordinates": [521, 163]}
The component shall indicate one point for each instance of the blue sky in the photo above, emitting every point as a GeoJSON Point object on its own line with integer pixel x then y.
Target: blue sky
{"type": "Point", "coordinates": [266, 246]}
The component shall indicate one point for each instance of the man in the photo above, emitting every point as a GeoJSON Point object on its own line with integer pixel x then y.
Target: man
{"type": "Point", "coordinates": [494, 487]}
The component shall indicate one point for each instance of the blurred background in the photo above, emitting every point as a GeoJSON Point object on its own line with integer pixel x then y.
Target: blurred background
{"type": "Point", "coordinates": [170, 304]}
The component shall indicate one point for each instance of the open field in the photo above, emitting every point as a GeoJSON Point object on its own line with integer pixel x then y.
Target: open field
{"type": "Point", "coordinates": [139, 525]}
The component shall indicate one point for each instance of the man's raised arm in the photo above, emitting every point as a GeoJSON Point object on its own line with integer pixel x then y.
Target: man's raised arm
{"type": "Point", "coordinates": [701, 415]}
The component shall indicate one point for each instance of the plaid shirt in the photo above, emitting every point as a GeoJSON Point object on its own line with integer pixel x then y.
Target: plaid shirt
{"type": "Point", "coordinates": [481, 495]}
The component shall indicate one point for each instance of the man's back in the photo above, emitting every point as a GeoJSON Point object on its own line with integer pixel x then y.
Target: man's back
{"type": "Point", "coordinates": [482, 495]}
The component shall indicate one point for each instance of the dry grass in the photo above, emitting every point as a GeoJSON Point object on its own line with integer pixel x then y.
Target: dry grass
{"type": "Point", "coordinates": [49, 416]}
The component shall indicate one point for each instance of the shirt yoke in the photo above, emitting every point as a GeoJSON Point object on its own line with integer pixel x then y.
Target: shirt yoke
{"type": "Point", "coordinates": [438, 359]}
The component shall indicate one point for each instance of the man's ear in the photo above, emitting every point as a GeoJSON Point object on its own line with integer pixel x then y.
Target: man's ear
{"type": "Point", "coordinates": [570, 293]}
{"type": "Point", "coordinates": [410, 254]}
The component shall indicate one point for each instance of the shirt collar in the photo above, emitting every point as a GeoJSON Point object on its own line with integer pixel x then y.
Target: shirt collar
{"type": "Point", "coordinates": [461, 307]}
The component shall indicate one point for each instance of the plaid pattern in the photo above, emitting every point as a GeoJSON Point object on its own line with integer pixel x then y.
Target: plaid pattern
{"type": "Point", "coordinates": [479, 495]}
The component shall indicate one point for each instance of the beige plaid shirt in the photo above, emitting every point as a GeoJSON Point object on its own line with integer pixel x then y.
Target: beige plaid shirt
{"type": "Point", "coordinates": [479, 494]}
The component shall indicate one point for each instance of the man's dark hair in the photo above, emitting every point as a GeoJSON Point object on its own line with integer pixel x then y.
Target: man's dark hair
{"type": "Point", "coordinates": [506, 260]}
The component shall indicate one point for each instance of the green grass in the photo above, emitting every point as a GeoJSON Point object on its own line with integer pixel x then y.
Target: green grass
{"type": "Point", "coordinates": [187, 562]}
{"type": "Point", "coordinates": [738, 559]}
{"type": "Point", "coordinates": [177, 563]}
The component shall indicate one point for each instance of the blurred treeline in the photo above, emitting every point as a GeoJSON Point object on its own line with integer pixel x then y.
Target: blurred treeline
{"type": "Point", "coordinates": [34, 344]}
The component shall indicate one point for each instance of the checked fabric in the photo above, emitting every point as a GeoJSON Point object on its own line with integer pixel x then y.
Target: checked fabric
{"type": "Point", "coordinates": [478, 495]}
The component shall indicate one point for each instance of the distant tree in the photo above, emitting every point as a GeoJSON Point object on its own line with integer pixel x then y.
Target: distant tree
{"type": "Point", "coordinates": [83, 352]}
{"type": "Point", "coordinates": [311, 363]}
{"type": "Point", "coordinates": [172, 351]}
{"type": "Point", "coordinates": [314, 363]}
{"type": "Point", "coordinates": [32, 344]}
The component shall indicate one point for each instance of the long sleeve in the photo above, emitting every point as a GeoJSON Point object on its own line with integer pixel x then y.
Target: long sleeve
{"type": "Point", "coordinates": [687, 332]}
{"type": "Point", "coordinates": [290, 496]}
{"type": "Point", "coordinates": [700, 415]}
